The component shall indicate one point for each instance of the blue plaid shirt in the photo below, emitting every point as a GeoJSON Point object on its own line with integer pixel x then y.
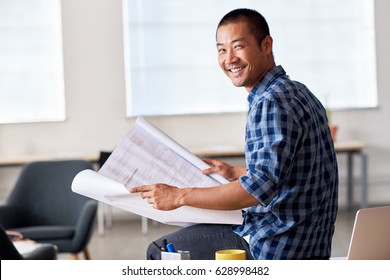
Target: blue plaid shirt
{"type": "Point", "coordinates": [291, 170]}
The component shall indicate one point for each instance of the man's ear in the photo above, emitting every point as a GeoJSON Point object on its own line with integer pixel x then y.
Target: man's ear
{"type": "Point", "coordinates": [266, 45]}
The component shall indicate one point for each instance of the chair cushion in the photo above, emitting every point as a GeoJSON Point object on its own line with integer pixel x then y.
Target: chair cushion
{"type": "Point", "coordinates": [47, 232]}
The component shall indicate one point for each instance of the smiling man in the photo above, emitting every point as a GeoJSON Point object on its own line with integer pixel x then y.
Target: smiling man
{"type": "Point", "coordinates": [289, 184]}
{"type": "Point", "coordinates": [244, 58]}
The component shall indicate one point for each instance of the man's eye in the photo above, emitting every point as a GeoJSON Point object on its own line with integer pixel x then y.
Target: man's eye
{"type": "Point", "coordinates": [221, 51]}
{"type": "Point", "coordinates": [237, 47]}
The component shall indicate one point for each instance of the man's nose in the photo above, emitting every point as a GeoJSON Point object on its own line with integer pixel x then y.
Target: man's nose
{"type": "Point", "coordinates": [230, 57]}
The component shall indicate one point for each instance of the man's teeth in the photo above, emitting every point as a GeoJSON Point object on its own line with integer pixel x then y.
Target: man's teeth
{"type": "Point", "coordinates": [237, 69]}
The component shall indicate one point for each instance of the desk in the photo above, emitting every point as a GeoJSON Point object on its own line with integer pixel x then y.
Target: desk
{"type": "Point", "coordinates": [8, 161]}
{"type": "Point", "coordinates": [350, 148]}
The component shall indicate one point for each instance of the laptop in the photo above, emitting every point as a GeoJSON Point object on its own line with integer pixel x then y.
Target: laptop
{"type": "Point", "coordinates": [371, 235]}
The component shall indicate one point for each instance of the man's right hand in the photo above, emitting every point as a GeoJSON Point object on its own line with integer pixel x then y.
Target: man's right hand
{"type": "Point", "coordinates": [227, 171]}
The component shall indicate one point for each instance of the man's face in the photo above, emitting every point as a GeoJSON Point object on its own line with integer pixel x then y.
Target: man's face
{"type": "Point", "coordinates": [241, 57]}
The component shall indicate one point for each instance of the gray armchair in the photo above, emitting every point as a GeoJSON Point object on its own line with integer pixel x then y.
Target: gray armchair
{"type": "Point", "coordinates": [43, 207]}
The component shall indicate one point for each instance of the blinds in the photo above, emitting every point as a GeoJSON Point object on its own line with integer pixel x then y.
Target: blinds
{"type": "Point", "coordinates": [171, 59]}
{"type": "Point", "coordinates": [31, 65]}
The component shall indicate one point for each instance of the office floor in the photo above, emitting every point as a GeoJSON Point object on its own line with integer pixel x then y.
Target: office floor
{"type": "Point", "coordinates": [124, 240]}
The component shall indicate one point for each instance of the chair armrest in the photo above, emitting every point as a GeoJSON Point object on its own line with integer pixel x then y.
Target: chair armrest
{"type": "Point", "coordinates": [84, 226]}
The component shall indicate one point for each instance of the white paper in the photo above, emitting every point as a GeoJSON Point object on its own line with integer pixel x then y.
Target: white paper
{"type": "Point", "coordinates": [146, 156]}
{"type": "Point", "coordinates": [180, 150]}
{"type": "Point", "coordinates": [26, 246]}
{"type": "Point", "coordinates": [92, 184]}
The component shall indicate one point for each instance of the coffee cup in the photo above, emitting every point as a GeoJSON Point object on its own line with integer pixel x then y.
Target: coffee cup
{"type": "Point", "coordinates": [231, 254]}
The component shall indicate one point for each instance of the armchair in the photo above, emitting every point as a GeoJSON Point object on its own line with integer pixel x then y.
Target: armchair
{"type": "Point", "coordinates": [43, 207]}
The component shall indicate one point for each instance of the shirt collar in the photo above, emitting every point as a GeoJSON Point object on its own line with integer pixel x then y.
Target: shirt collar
{"type": "Point", "coordinates": [264, 83]}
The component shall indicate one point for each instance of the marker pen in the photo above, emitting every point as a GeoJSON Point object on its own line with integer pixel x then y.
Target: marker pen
{"type": "Point", "coordinates": [170, 248]}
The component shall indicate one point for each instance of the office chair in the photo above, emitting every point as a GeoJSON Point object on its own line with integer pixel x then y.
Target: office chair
{"type": "Point", "coordinates": [43, 208]}
{"type": "Point", "coordinates": [9, 252]}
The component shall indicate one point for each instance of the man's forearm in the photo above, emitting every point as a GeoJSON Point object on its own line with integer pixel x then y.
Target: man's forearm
{"type": "Point", "coordinates": [230, 196]}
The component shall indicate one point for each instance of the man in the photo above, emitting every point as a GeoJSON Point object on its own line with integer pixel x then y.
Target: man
{"type": "Point", "coordinates": [289, 185]}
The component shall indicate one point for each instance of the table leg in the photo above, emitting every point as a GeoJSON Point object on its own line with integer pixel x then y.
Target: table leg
{"type": "Point", "coordinates": [144, 225]}
{"type": "Point", "coordinates": [100, 218]}
{"type": "Point", "coordinates": [350, 181]}
{"type": "Point", "coordinates": [108, 216]}
{"type": "Point", "coordinates": [364, 203]}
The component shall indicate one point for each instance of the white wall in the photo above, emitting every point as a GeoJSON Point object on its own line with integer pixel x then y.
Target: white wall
{"type": "Point", "coordinates": [95, 101]}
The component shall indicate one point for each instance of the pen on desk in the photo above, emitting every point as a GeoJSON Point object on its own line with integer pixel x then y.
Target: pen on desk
{"type": "Point", "coordinates": [165, 243]}
{"type": "Point", "coordinates": [160, 247]}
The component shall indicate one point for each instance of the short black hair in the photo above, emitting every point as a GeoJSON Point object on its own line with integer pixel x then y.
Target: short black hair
{"type": "Point", "coordinates": [256, 22]}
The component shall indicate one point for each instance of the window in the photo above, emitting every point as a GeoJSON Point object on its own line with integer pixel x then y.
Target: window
{"type": "Point", "coordinates": [171, 60]}
{"type": "Point", "coordinates": [31, 68]}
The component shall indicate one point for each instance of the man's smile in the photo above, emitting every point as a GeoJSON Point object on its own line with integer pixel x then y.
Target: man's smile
{"type": "Point", "coordinates": [235, 69]}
